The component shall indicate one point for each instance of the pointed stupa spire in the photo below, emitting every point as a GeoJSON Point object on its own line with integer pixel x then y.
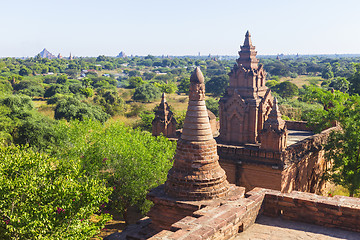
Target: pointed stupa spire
{"type": "Point", "coordinates": [196, 173]}
{"type": "Point", "coordinates": [247, 41]}
{"type": "Point", "coordinates": [196, 124]}
{"type": "Point", "coordinates": [274, 120]}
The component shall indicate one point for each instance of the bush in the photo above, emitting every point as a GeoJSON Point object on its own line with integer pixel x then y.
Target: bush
{"type": "Point", "coordinates": [146, 93]}
{"type": "Point", "coordinates": [213, 105]}
{"type": "Point", "coordinates": [46, 198]}
{"type": "Point", "coordinates": [286, 89]}
{"type": "Point", "coordinates": [71, 108]}
{"type": "Point", "coordinates": [131, 161]}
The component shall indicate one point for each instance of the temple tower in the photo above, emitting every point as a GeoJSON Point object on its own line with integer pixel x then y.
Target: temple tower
{"type": "Point", "coordinates": [164, 121]}
{"type": "Point", "coordinates": [274, 134]}
{"type": "Point", "coordinates": [247, 102]}
{"type": "Point", "coordinates": [196, 173]}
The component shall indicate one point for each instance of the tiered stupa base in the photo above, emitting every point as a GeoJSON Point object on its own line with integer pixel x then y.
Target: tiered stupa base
{"type": "Point", "coordinates": [196, 173]}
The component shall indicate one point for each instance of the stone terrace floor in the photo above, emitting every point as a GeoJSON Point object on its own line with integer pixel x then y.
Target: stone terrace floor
{"type": "Point", "coordinates": [267, 228]}
{"type": "Point", "coordinates": [295, 136]}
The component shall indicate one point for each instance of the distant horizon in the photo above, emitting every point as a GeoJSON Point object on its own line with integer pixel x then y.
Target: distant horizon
{"type": "Point", "coordinates": [197, 55]}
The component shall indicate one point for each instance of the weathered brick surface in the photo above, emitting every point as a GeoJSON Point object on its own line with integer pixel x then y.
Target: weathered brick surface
{"type": "Point", "coordinates": [325, 211]}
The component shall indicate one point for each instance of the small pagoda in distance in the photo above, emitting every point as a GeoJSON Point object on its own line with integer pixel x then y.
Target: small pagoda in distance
{"type": "Point", "coordinates": [164, 121]}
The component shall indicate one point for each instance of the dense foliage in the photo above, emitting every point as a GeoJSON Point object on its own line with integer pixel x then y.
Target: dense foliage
{"type": "Point", "coordinates": [46, 198]}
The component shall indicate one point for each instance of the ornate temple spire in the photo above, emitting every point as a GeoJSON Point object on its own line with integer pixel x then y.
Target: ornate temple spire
{"type": "Point", "coordinates": [196, 173]}
{"type": "Point", "coordinates": [248, 54]}
{"type": "Point", "coordinates": [274, 120]}
{"type": "Point", "coordinates": [274, 134]}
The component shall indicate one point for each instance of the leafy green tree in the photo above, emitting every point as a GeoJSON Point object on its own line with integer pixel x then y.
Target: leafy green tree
{"type": "Point", "coordinates": [341, 84]}
{"type": "Point", "coordinates": [327, 72]}
{"type": "Point", "coordinates": [212, 105]}
{"type": "Point", "coordinates": [146, 92]}
{"type": "Point", "coordinates": [111, 102]}
{"type": "Point", "coordinates": [87, 92]}
{"type": "Point", "coordinates": [56, 88]}
{"type": "Point", "coordinates": [24, 71]}
{"type": "Point", "coordinates": [47, 198]}
{"type": "Point", "coordinates": [62, 79]}
{"type": "Point", "coordinates": [286, 89]}
{"type": "Point", "coordinates": [166, 87]}
{"type": "Point", "coordinates": [354, 80]}
{"type": "Point", "coordinates": [71, 108]}
{"type": "Point", "coordinates": [30, 87]}
{"type": "Point", "coordinates": [217, 85]}
{"type": "Point", "coordinates": [5, 86]}
{"type": "Point", "coordinates": [184, 85]}
{"type": "Point", "coordinates": [135, 82]}
{"type": "Point", "coordinates": [342, 149]}
{"type": "Point", "coordinates": [131, 161]}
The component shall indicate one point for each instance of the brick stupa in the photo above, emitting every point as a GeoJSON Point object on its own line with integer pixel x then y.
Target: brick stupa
{"type": "Point", "coordinates": [196, 173]}
{"type": "Point", "coordinates": [196, 179]}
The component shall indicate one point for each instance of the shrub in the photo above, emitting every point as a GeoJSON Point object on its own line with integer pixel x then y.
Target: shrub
{"type": "Point", "coordinates": [46, 198]}
{"type": "Point", "coordinates": [131, 161]}
{"type": "Point", "coordinates": [146, 93]}
{"type": "Point", "coordinates": [71, 108]}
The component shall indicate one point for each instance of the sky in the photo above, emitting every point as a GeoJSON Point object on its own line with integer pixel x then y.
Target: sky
{"type": "Point", "coordinates": [185, 27]}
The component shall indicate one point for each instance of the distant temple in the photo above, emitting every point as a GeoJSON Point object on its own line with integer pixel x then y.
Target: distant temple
{"type": "Point", "coordinates": [46, 54]}
{"type": "Point", "coordinates": [121, 55]}
{"type": "Point", "coordinates": [164, 121]}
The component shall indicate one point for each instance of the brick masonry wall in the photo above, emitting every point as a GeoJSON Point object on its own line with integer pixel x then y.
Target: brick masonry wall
{"type": "Point", "coordinates": [298, 125]}
{"type": "Point", "coordinates": [225, 220]}
{"type": "Point", "coordinates": [337, 212]}
{"type": "Point", "coordinates": [219, 222]}
{"type": "Point", "coordinates": [299, 167]}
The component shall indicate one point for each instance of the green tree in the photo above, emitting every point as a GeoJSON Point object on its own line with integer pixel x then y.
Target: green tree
{"type": "Point", "coordinates": [354, 80]}
{"type": "Point", "coordinates": [341, 84]}
{"type": "Point", "coordinates": [62, 79]}
{"type": "Point", "coordinates": [111, 102]}
{"type": "Point", "coordinates": [146, 92]}
{"type": "Point", "coordinates": [135, 82]}
{"type": "Point", "coordinates": [131, 161]}
{"type": "Point", "coordinates": [286, 89]}
{"type": "Point", "coordinates": [24, 71]}
{"type": "Point", "coordinates": [184, 85]}
{"type": "Point", "coordinates": [71, 108]}
{"type": "Point", "coordinates": [47, 198]}
{"type": "Point", "coordinates": [327, 72]}
{"type": "Point", "coordinates": [342, 149]}
{"type": "Point", "coordinates": [212, 105]}
{"type": "Point", "coordinates": [217, 85]}
{"type": "Point", "coordinates": [56, 88]}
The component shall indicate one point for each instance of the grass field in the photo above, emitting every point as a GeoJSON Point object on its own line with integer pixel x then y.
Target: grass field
{"type": "Point", "coordinates": [303, 80]}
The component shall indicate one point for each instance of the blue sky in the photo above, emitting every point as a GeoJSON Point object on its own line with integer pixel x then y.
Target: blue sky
{"type": "Point", "coordinates": [186, 27]}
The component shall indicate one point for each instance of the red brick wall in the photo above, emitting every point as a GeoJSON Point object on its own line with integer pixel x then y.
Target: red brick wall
{"type": "Point", "coordinates": [338, 212]}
